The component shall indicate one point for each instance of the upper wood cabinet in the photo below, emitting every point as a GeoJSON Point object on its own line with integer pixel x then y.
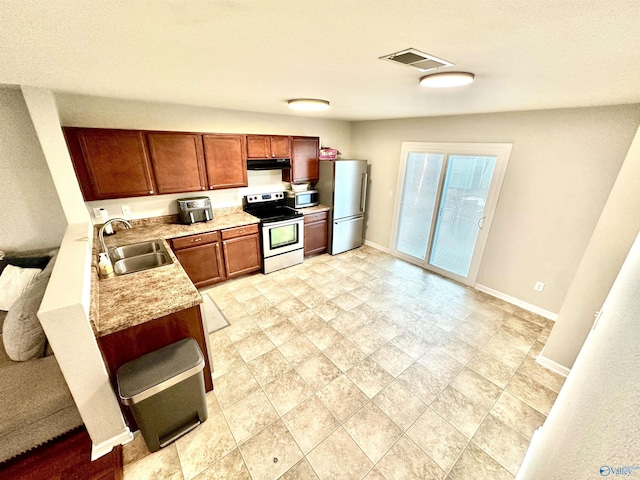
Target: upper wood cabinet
{"type": "Point", "coordinates": [178, 161]}
{"type": "Point", "coordinates": [110, 163]}
{"type": "Point", "coordinates": [268, 146]}
{"type": "Point", "coordinates": [225, 160]}
{"type": "Point", "coordinates": [305, 166]}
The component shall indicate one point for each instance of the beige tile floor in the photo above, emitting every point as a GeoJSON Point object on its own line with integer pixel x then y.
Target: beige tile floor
{"type": "Point", "coordinates": [363, 366]}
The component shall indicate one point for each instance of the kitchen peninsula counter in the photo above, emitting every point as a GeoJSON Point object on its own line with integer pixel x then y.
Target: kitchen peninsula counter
{"type": "Point", "coordinates": [124, 301]}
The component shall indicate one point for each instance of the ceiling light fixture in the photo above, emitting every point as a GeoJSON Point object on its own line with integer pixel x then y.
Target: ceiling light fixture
{"type": "Point", "coordinates": [308, 104]}
{"type": "Point", "coordinates": [447, 79]}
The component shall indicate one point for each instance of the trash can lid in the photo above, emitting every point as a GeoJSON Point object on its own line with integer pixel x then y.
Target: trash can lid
{"type": "Point", "coordinates": [158, 370]}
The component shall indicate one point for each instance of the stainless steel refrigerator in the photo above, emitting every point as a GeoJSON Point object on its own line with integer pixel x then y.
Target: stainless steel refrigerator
{"type": "Point", "coordinates": [343, 187]}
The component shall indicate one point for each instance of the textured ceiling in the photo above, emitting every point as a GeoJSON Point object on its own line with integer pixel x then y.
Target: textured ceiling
{"type": "Point", "coordinates": [256, 54]}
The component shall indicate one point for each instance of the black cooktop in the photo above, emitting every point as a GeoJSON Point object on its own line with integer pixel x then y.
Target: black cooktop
{"type": "Point", "coordinates": [269, 207]}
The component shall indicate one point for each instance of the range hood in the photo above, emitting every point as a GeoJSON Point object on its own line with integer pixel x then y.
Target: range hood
{"type": "Point", "coordinates": [269, 164]}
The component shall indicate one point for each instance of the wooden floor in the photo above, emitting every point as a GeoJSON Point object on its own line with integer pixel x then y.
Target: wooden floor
{"type": "Point", "coordinates": [68, 457]}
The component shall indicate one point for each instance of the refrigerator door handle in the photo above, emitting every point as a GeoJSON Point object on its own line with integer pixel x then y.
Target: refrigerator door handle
{"type": "Point", "coordinates": [363, 192]}
{"type": "Point", "coordinates": [347, 220]}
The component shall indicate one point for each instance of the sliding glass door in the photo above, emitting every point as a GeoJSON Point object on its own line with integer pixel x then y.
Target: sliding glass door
{"type": "Point", "coordinates": [447, 194]}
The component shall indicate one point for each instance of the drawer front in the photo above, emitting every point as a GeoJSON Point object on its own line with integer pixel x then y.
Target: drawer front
{"type": "Point", "coordinates": [316, 217]}
{"type": "Point", "coordinates": [193, 240]}
{"type": "Point", "coordinates": [239, 231]}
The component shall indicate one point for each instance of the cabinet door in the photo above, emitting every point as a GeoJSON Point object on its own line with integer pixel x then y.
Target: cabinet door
{"type": "Point", "coordinates": [203, 264]}
{"type": "Point", "coordinates": [305, 166]}
{"type": "Point", "coordinates": [315, 234]}
{"type": "Point", "coordinates": [178, 161]}
{"type": "Point", "coordinates": [280, 146]}
{"type": "Point", "coordinates": [117, 162]}
{"type": "Point", "coordinates": [225, 160]}
{"type": "Point", "coordinates": [242, 255]}
{"type": "Point", "coordinates": [258, 146]}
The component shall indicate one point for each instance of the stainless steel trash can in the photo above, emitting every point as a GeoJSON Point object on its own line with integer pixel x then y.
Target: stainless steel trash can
{"type": "Point", "coordinates": [165, 391]}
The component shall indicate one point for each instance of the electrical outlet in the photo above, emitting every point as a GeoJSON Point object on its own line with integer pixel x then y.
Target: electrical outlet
{"type": "Point", "coordinates": [125, 209]}
{"type": "Point", "coordinates": [96, 213]}
{"type": "Point", "coordinates": [539, 286]}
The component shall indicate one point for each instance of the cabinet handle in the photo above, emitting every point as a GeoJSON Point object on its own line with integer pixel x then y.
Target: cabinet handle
{"type": "Point", "coordinates": [211, 187]}
{"type": "Point", "coordinates": [267, 155]}
{"type": "Point", "coordinates": [197, 239]}
{"type": "Point", "coordinates": [241, 231]}
{"type": "Point", "coordinates": [201, 188]}
{"type": "Point", "coordinates": [273, 154]}
{"type": "Point", "coordinates": [151, 191]}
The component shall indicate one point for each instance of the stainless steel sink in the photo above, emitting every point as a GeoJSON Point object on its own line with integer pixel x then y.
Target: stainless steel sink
{"type": "Point", "coordinates": [127, 251]}
{"type": "Point", "coordinates": [139, 256]}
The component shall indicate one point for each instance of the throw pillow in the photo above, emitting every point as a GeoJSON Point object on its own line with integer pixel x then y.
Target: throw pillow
{"type": "Point", "coordinates": [22, 333]}
{"type": "Point", "coordinates": [29, 262]}
{"type": "Point", "coordinates": [14, 281]}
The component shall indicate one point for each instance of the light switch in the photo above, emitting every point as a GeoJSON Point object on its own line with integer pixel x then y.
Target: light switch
{"type": "Point", "coordinates": [539, 287]}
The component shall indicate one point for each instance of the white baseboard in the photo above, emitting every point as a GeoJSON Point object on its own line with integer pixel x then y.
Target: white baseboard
{"type": "Point", "coordinates": [103, 448]}
{"type": "Point", "coordinates": [376, 246]}
{"type": "Point", "coordinates": [517, 302]}
{"type": "Point", "coordinates": [551, 365]}
{"type": "Point", "coordinates": [537, 434]}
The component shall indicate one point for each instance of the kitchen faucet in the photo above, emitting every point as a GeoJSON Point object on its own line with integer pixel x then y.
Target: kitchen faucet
{"type": "Point", "coordinates": [101, 232]}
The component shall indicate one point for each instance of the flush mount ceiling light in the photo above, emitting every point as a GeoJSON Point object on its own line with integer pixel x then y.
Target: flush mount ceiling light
{"type": "Point", "coordinates": [308, 104]}
{"type": "Point", "coordinates": [447, 79]}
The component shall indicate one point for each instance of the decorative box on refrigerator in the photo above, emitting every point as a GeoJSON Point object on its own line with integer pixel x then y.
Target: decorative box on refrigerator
{"type": "Point", "coordinates": [343, 187]}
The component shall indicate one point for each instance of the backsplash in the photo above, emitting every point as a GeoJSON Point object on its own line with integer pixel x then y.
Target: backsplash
{"type": "Point", "coordinates": [161, 205]}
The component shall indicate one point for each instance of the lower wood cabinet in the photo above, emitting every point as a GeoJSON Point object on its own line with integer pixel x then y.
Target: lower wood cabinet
{"type": "Point", "coordinates": [316, 229]}
{"type": "Point", "coordinates": [206, 261]}
{"type": "Point", "coordinates": [125, 345]}
{"type": "Point", "coordinates": [201, 258]}
{"type": "Point", "coordinates": [241, 248]}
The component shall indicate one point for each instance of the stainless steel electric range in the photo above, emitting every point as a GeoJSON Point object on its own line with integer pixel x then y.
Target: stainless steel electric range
{"type": "Point", "coordinates": [281, 230]}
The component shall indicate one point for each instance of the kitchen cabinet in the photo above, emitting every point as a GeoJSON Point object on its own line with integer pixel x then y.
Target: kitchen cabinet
{"type": "Point", "coordinates": [241, 248]}
{"type": "Point", "coordinates": [110, 163]}
{"type": "Point", "coordinates": [125, 345]}
{"type": "Point", "coordinates": [201, 257]}
{"type": "Point", "coordinates": [316, 229]}
{"type": "Point", "coordinates": [305, 166]}
{"type": "Point", "coordinates": [268, 146]}
{"type": "Point", "coordinates": [178, 161]}
{"type": "Point", "coordinates": [225, 161]}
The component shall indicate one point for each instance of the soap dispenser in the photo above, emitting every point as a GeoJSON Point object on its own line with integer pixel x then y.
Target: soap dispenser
{"type": "Point", "coordinates": [104, 265]}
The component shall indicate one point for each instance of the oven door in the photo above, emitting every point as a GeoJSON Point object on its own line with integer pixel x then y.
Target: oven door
{"type": "Point", "coordinates": [282, 237]}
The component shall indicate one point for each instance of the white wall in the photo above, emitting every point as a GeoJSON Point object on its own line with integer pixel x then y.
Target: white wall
{"type": "Point", "coordinates": [85, 111]}
{"type": "Point", "coordinates": [595, 420]}
{"type": "Point", "coordinates": [32, 216]}
{"type": "Point", "coordinates": [562, 167]}
{"type": "Point", "coordinates": [612, 238]}
{"type": "Point", "coordinates": [64, 312]}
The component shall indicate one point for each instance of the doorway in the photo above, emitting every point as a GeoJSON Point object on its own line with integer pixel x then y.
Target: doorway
{"type": "Point", "coordinates": [446, 196]}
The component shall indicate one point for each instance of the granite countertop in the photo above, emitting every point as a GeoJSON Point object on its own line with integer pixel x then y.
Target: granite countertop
{"type": "Point", "coordinates": [127, 300]}
{"type": "Point", "coordinates": [316, 209]}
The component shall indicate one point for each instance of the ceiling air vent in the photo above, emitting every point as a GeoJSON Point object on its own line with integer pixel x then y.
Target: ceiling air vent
{"type": "Point", "coordinates": [417, 59]}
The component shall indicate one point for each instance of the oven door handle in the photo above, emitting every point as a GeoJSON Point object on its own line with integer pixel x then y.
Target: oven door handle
{"type": "Point", "coordinates": [292, 221]}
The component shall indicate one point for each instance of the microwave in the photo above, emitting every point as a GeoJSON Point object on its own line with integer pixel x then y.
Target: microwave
{"type": "Point", "coordinates": [307, 198]}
